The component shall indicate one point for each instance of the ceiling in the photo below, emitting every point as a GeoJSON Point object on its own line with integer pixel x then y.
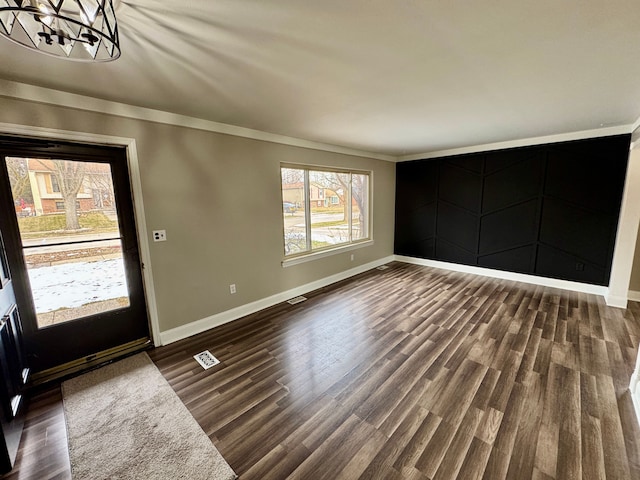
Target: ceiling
{"type": "Point", "coordinates": [395, 78]}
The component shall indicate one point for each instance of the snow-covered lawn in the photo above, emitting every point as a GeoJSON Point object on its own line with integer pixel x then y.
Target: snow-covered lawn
{"type": "Point", "coordinates": [76, 284]}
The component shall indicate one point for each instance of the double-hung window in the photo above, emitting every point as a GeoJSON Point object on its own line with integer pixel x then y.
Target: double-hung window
{"type": "Point", "coordinates": [324, 208]}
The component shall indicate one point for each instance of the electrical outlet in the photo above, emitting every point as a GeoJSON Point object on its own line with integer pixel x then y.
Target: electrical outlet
{"type": "Point", "coordinates": [159, 235]}
{"type": "Point", "coordinates": [232, 288]}
{"type": "Point", "coordinates": [352, 257]}
{"type": "Point", "coordinates": [580, 266]}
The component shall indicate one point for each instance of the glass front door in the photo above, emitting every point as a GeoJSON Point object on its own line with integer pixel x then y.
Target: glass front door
{"type": "Point", "coordinates": [71, 240]}
{"type": "Point", "coordinates": [71, 214]}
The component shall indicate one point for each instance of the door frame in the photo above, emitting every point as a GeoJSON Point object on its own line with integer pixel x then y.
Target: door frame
{"type": "Point", "coordinates": [136, 194]}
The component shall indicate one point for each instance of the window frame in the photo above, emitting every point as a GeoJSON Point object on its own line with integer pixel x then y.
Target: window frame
{"type": "Point", "coordinates": [314, 253]}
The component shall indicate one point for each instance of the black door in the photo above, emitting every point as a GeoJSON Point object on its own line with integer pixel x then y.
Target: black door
{"type": "Point", "coordinates": [68, 218]}
{"type": "Point", "coordinates": [13, 368]}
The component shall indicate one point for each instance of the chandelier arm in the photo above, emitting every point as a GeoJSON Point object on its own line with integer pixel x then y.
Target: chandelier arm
{"type": "Point", "coordinates": [101, 44]}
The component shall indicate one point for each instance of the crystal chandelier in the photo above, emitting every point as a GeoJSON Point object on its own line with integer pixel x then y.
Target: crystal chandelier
{"type": "Point", "coordinates": [82, 30]}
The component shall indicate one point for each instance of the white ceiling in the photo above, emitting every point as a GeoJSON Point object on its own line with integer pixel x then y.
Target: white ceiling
{"type": "Point", "coordinates": [391, 77]}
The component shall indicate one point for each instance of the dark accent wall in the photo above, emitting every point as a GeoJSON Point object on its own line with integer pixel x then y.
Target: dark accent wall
{"type": "Point", "coordinates": [550, 210]}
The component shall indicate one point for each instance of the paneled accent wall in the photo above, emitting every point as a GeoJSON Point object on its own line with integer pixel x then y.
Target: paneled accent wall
{"type": "Point", "coordinates": [549, 210]}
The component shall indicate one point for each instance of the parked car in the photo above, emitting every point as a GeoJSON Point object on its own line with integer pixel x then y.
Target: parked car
{"type": "Point", "coordinates": [288, 207]}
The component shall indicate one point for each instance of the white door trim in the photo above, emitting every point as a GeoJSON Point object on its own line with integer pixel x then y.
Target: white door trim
{"type": "Point", "coordinates": [624, 249]}
{"type": "Point", "coordinates": [136, 191]}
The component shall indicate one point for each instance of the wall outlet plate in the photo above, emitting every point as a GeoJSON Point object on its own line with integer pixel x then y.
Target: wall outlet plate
{"type": "Point", "coordinates": [159, 235]}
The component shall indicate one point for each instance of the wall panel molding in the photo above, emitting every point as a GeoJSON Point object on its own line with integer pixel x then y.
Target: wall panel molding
{"type": "Point", "coordinates": [550, 210]}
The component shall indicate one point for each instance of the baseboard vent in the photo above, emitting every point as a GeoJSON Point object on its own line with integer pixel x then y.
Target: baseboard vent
{"type": "Point", "coordinates": [206, 360]}
{"type": "Point", "coordinates": [382, 267]}
{"type": "Point", "coordinates": [295, 300]}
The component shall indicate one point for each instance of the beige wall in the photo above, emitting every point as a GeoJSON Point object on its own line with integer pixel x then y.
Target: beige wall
{"type": "Point", "coordinates": [218, 197]}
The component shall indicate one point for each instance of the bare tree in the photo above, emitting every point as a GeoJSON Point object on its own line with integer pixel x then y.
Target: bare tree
{"type": "Point", "coordinates": [339, 183]}
{"type": "Point", "coordinates": [98, 177]}
{"type": "Point", "coordinates": [336, 182]}
{"type": "Point", "coordinates": [360, 193]}
{"type": "Point", "coordinates": [292, 176]}
{"type": "Point", "coordinates": [70, 176]}
{"type": "Point", "coordinates": [19, 177]}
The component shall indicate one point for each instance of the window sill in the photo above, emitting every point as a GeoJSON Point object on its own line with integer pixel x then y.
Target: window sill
{"type": "Point", "coordinates": [289, 262]}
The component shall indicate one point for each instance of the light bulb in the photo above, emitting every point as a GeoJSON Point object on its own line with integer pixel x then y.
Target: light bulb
{"type": "Point", "coordinates": [42, 7]}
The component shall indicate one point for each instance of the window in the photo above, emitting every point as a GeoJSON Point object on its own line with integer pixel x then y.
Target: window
{"type": "Point", "coordinates": [61, 205]}
{"type": "Point", "coordinates": [323, 208]}
{"type": "Point", "coordinates": [55, 187]}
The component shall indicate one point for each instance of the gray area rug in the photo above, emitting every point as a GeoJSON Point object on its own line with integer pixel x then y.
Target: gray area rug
{"type": "Point", "coordinates": [124, 422]}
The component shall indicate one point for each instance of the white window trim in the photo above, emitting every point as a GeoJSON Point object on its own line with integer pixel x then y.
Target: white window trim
{"type": "Point", "coordinates": [309, 257]}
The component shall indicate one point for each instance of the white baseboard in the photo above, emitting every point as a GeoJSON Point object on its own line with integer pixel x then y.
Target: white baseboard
{"type": "Point", "coordinates": [516, 277]}
{"type": "Point", "coordinates": [199, 326]}
{"type": "Point", "coordinates": [615, 301]}
{"type": "Point", "coordinates": [634, 388]}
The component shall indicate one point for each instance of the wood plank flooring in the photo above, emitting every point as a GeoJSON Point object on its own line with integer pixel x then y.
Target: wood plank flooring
{"type": "Point", "coordinates": [407, 373]}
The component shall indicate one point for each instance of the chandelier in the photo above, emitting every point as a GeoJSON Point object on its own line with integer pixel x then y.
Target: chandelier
{"type": "Point", "coordinates": [82, 30]}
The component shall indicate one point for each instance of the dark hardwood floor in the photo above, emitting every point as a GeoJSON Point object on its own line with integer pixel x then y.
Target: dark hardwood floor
{"type": "Point", "coordinates": [406, 373]}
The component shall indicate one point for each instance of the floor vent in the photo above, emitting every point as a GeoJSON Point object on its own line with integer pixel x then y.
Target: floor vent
{"type": "Point", "coordinates": [295, 300]}
{"type": "Point", "coordinates": [206, 360]}
{"type": "Point", "coordinates": [382, 267]}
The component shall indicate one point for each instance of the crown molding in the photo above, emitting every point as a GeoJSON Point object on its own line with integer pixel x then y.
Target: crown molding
{"type": "Point", "coordinates": [23, 91]}
{"type": "Point", "coordinates": [524, 142]}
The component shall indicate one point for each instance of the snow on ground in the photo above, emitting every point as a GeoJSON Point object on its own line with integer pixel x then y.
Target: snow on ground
{"type": "Point", "coordinates": [76, 284]}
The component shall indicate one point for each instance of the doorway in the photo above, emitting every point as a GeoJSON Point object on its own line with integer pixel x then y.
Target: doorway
{"type": "Point", "coordinates": [67, 214]}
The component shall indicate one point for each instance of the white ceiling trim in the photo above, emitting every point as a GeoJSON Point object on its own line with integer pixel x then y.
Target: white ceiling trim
{"type": "Point", "coordinates": [525, 142]}
{"type": "Point", "coordinates": [23, 91]}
